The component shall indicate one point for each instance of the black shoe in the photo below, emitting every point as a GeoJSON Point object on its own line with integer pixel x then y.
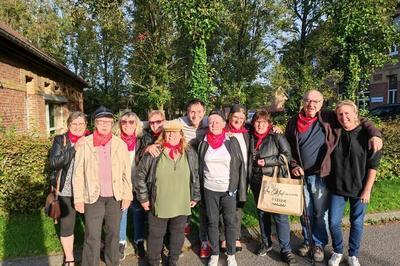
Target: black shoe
{"type": "Point", "coordinates": [263, 249]}
{"type": "Point", "coordinates": [289, 258]}
{"type": "Point", "coordinates": [121, 250]}
{"type": "Point", "coordinates": [140, 250]}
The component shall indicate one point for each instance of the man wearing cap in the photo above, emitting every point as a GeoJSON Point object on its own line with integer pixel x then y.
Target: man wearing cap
{"type": "Point", "coordinates": [102, 188]}
{"type": "Point", "coordinates": [168, 187]}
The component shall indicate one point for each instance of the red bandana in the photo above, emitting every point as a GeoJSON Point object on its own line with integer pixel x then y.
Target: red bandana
{"type": "Point", "coordinates": [216, 141]}
{"type": "Point", "coordinates": [129, 140]}
{"type": "Point", "coordinates": [304, 123]}
{"type": "Point", "coordinates": [232, 129]}
{"type": "Point", "coordinates": [173, 149]}
{"type": "Point", "coordinates": [99, 139]}
{"type": "Point", "coordinates": [261, 137]}
{"type": "Point", "coordinates": [73, 138]}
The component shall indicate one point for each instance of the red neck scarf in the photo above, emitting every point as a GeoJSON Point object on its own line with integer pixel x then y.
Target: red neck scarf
{"type": "Point", "coordinates": [232, 129]}
{"type": "Point", "coordinates": [304, 123]}
{"type": "Point", "coordinates": [129, 140]}
{"type": "Point", "coordinates": [101, 140]}
{"type": "Point", "coordinates": [261, 137]}
{"type": "Point", "coordinates": [216, 141]}
{"type": "Point", "coordinates": [73, 138]}
{"type": "Point", "coordinates": [173, 149]}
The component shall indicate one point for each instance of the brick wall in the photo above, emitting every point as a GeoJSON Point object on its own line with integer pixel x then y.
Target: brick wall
{"type": "Point", "coordinates": [12, 109]}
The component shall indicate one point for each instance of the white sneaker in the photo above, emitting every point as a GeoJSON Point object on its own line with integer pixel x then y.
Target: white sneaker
{"type": "Point", "coordinates": [353, 261]}
{"type": "Point", "coordinates": [213, 260]}
{"type": "Point", "coordinates": [232, 260]}
{"type": "Point", "coordinates": [335, 259]}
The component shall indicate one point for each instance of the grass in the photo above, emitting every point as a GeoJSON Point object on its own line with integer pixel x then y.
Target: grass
{"type": "Point", "coordinates": [35, 234]}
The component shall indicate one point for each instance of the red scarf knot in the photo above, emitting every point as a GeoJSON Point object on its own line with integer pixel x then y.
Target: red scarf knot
{"type": "Point", "coordinates": [216, 141]}
{"type": "Point", "coordinates": [173, 149]}
{"type": "Point", "coordinates": [130, 140]}
{"type": "Point", "coordinates": [99, 139]}
{"type": "Point", "coordinates": [73, 138]}
{"type": "Point", "coordinates": [242, 129]}
{"type": "Point", "coordinates": [261, 137]}
{"type": "Point", "coordinates": [304, 123]}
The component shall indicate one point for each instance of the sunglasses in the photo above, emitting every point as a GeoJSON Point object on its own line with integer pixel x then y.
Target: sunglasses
{"type": "Point", "coordinates": [125, 122]}
{"type": "Point", "coordinates": [156, 122]}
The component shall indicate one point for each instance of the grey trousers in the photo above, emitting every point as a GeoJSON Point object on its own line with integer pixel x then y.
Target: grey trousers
{"type": "Point", "coordinates": [109, 210]}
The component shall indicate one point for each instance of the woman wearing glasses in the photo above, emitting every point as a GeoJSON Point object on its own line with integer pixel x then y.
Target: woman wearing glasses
{"type": "Point", "coordinates": [156, 122]}
{"type": "Point", "coordinates": [266, 148]}
{"type": "Point", "coordinates": [102, 188]}
{"type": "Point", "coordinates": [130, 129]}
{"type": "Point", "coordinates": [62, 158]}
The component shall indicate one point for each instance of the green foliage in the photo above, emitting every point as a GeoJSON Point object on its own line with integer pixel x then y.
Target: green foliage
{"type": "Point", "coordinates": [363, 33]}
{"type": "Point", "coordinates": [23, 172]}
{"type": "Point", "coordinates": [390, 163]}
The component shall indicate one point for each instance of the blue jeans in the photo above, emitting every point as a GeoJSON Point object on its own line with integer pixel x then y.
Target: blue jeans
{"type": "Point", "coordinates": [316, 195]}
{"type": "Point", "coordinates": [138, 223]}
{"type": "Point", "coordinates": [264, 220]}
{"type": "Point", "coordinates": [357, 212]}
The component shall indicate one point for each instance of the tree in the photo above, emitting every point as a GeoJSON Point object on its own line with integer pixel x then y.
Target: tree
{"type": "Point", "coordinates": [363, 31]}
{"type": "Point", "coordinates": [197, 19]}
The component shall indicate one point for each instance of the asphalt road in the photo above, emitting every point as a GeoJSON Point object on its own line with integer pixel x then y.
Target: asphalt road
{"type": "Point", "coordinates": [380, 246]}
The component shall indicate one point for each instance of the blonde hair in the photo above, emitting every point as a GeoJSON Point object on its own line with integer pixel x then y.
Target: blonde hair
{"type": "Point", "coordinates": [348, 103]}
{"type": "Point", "coordinates": [156, 112]}
{"type": "Point", "coordinates": [126, 113]}
{"type": "Point", "coordinates": [183, 144]}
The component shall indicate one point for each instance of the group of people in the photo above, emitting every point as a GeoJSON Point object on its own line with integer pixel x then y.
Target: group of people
{"type": "Point", "coordinates": [160, 173]}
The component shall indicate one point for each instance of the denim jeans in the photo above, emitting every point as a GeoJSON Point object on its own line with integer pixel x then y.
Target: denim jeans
{"type": "Point", "coordinates": [138, 215]}
{"type": "Point", "coordinates": [357, 212]}
{"type": "Point", "coordinates": [264, 220]}
{"type": "Point", "coordinates": [316, 195]}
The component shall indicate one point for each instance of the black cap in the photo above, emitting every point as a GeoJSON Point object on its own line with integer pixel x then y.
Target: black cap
{"type": "Point", "coordinates": [217, 112]}
{"type": "Point", "coordinates": [103, 112]}
{"type": "Point", "coordinates": [237, 108]}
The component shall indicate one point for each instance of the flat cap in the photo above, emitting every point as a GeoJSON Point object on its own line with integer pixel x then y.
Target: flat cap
{"type": "Point", "coordinates": [103, 112]}
{"type": "Point", "coordinates": [173, 125]}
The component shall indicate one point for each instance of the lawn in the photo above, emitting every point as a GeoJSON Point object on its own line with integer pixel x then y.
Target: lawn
{"type": "Point", "coordinates": [35, 234]}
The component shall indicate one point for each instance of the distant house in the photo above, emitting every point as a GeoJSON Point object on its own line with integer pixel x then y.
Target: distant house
{"type": "Point", "coordinates": [36, 92]}
{"type": "Point", "coordinates": [384, 84]}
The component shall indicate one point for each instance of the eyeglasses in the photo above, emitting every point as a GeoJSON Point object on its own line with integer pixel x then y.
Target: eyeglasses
{"type": "Point", "coordinates": [307, 101]}
{"type": "Point", "coordinates": [78, 124]}
{"type": "Point", "coordinates": [104, 122]}
{"type": "Point", "coordinates": [261, 122]}
{"type": "Point", "coordinates": [156, 122]}
{"type": "Point", "coordinates": [125, 122]}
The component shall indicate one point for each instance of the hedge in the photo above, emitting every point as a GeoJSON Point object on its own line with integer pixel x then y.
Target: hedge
{"type": "Point", "coordinates": [24, 168]}
{"type": "Point", "coordinates": [23, 172]}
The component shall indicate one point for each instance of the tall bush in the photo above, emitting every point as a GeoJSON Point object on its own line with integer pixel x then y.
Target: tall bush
{"type": "Point", "coordinates": [390, 163]}
{"type": "Point", "coordinates": [23, 172]}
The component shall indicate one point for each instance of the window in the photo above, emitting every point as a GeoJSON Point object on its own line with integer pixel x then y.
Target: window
{"type": "Point", "coordinates": [50, 118]}
{"type": "Point", "coordinates": [392, 92]}
{"type": "Point", "coordinates": [393, 50]}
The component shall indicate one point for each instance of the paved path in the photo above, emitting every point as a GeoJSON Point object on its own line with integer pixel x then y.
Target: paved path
{"type": "Point", "coordinates": [381, 246]}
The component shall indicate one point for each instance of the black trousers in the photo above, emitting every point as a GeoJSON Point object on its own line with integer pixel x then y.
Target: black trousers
{"type": "Point", "coordinates": [68, 214]}
{"type": "Point", "coordinates": [157, 230]}
{"type": "Point", "coordinates": [217, 202]}
{"type": "Point", "coordinates": [109, 210]}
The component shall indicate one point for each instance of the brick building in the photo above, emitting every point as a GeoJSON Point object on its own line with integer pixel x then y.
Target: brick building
{"type": "Point", "coordinates": [36, 91]}
{"type": "Point", "coordinates": [384, 84]}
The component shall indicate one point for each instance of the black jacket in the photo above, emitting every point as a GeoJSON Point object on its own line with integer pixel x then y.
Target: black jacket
{"type": "Point", "coordinates": [238, 179]}
{"type": "Point", "coordinates": [270, 150]}
{"type": "Point", "coordinates": [145, 140]}
{"type": "Point", "coordinates": [60, 158]}
{"type": "Point", "coordinates": [145, 181]}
